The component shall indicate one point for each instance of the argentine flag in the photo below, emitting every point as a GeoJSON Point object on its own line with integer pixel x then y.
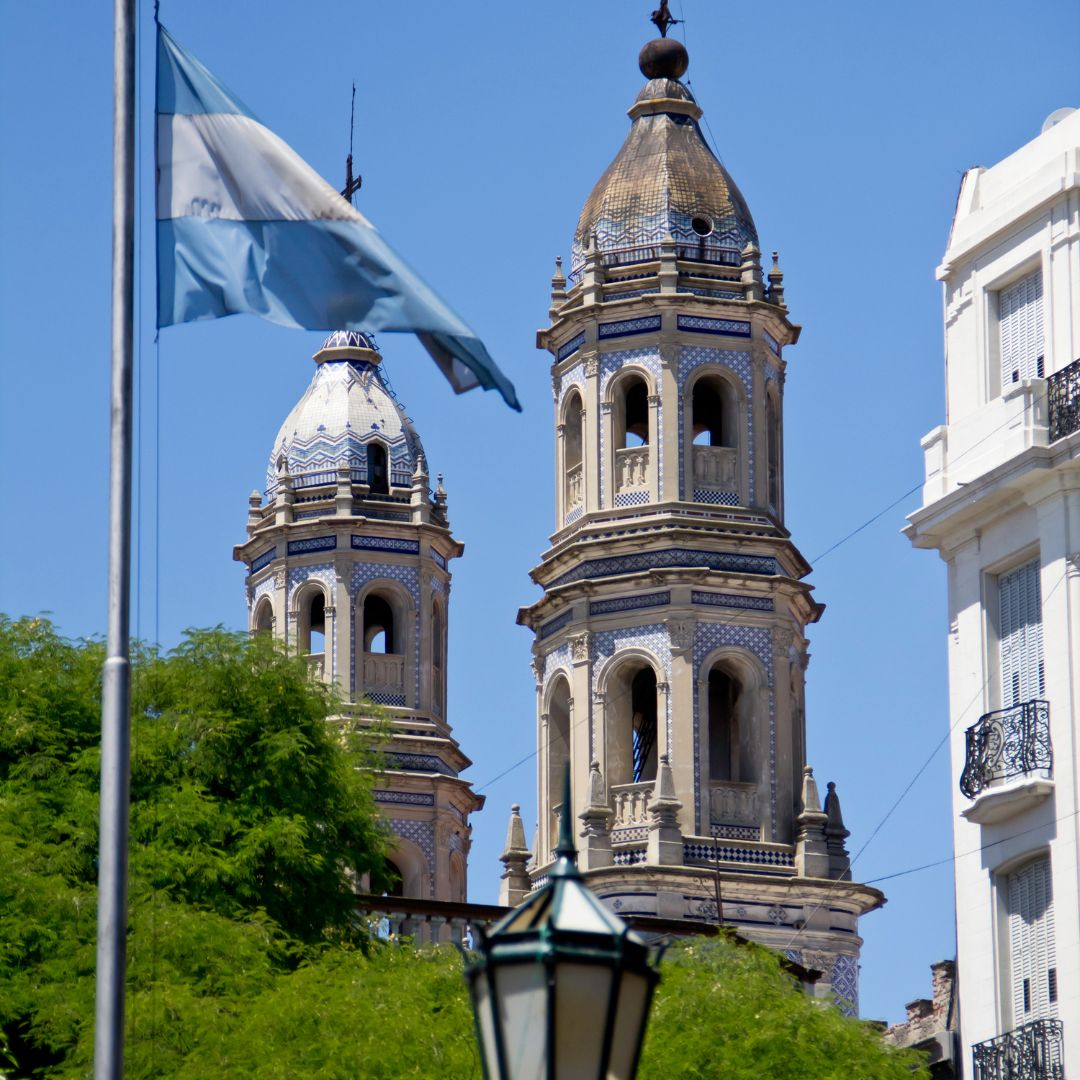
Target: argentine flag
{"type": "Point", "coordinates": [246, 225]}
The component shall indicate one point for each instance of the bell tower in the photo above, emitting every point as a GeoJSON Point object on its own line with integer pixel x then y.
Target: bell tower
{"type": "Point", "coordinates": [348, 562]}
{"type": "Point", "coordinates": [670, 640]}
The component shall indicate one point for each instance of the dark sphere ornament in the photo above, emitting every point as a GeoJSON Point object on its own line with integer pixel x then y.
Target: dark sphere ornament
{"type": "Point", "coordinates": [663, 58]}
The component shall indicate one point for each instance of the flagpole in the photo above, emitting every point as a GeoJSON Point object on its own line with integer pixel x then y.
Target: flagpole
{"type": "Point", "coordinates": [116, 677]}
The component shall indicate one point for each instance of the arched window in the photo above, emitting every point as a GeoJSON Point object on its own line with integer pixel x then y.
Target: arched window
{"type": "Point", "coordinates": [643, 704]}
{"type": "Point", "coordinates": [558, 747]}
{"type": "Point", "coordinates": [713, 413]}
{"type": "Point", "coordinates": [311, 620]}
{"type": "Point", "coordinates": [397, 881]}
{"type": "Point", "coordinates": [772, 435]}
{"type": "Point", "coordinates": [263, 622]}
{"type": "Point", "coordinates": [632, 413]}
{"type": "Point", "coordinates": [632, 724]}
{"type": "Point", "coordinates": [378, 625]}
{"type": "Point", "coordinates": [572, 451]}
{"type": "Point", "coordinates": [437, 646]}
{"type": "Point", "coordinates": [457, 878]}
{"type": "Point", "coordinates": [378, 477]}
{"type": "Point", "coordinates": [723, 726]}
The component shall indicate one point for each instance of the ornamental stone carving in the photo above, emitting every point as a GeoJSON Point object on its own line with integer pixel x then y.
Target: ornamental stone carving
{"type": "Point", "coordinates": [681, 633]}
{"type": "Point", "coordinates": [579, 647]}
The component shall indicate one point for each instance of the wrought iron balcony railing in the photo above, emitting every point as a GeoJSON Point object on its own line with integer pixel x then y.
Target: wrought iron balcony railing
{"type": "Point", "coordinates": [1031, 1052]}
{"type": "Point", "coordinates": [1063, 399]}
{"type": "Point", "coordinates": [1007, 743]}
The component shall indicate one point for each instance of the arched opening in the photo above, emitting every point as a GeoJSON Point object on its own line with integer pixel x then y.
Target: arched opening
{"type": "Point", "coordinates": [572, 444]}
{"type": "Point", "coordinates": [632, 724]}
{"type": "Point", "coordinates": [263, 623]}
{"type": "Point", "coordinates": [632, 416]}
{"type": "Point", "coordinates": [378, 624]}
{"type": "Point", "coordinates": [378, 475]}
{"type": "Point", "coordinates": [772, 457]}
{"type": "Point", "coordinates": [317, 624]}
{"type": "Point", "coordinates": [438, 678]}
{"type": "Point", "coordinates": [457, 878]}
{"type": "Point", "coordinates": [558, 750]}
{"type": "Point", "coordinates": [724, 692]}
{"type": "Point", "coordinates": [713, 413]}
{"type": "Point", "coordinates": [396, 879]}
{"type": "Point", "coordinates": [311, 620]}
{"type": "Point", "coordinates": [384, 622]}
{"type": "Point", "coordinates": [643, 703]}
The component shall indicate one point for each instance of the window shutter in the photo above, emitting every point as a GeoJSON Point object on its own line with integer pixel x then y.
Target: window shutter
{"type": "Point", "coordinates": [1032, 963]}
{"type": "Point", "coordinates": [1021, 638]}
{"type": "Point", "coordinates": [1020, 320]}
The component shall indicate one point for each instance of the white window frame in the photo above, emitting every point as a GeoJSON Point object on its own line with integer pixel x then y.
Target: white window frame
{"type": "Point", "coordinates": [1019, 331]}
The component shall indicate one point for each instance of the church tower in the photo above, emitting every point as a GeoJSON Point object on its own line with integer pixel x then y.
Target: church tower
{"type": "Point", "coordinates": [348, 563]}
{"type": "Point", "coordinates": [670, 641]}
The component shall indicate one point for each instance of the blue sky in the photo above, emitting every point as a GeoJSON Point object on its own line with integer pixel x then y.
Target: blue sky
{"type": "Point", "coordinates": [479, 134]}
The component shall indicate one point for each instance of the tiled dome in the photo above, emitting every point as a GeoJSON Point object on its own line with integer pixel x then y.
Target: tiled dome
{"type": "Point", "coordinates": [664, 180]}
{"type": "Point", "coordinates": [348, 405]}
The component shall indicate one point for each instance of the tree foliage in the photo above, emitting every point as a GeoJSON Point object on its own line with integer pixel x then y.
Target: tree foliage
{"type": "Point", "coordinates": [245, 958]}
{"type": "Point", "coordinates": [249, 819]}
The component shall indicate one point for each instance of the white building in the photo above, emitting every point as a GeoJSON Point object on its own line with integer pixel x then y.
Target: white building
{"type": "Point", "coordinates": [1002, 506]}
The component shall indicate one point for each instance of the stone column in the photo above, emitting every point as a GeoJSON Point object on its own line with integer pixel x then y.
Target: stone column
{"type": "Point", "coordinates": [681, 741]}
{"type": "Point", "coordinates": [786, 796]}
{"type": "Point", "coordinates": [606, 498]}
{"type": "Point", "coordinates": [343, 633]}
{"type": "Point", "coordinates": [655, 435]}
{"type": "Point", "coordinates": [580, 728]}
{"type": "Point", "coordinates": [590, 439]}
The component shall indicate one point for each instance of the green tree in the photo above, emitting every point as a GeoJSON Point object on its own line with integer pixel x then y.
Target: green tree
{"type": "Point", "coordinates": [249, 819]}
{"type": "Point", "coordinates": [245, 958]}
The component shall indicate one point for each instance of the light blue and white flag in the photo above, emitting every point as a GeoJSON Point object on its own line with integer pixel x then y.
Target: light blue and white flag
{"type": "Point", "coordinates": [246, 225]}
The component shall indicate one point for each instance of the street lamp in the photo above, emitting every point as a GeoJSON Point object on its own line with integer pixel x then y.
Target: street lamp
{"type": "Point", "coordinates": [562, 987]}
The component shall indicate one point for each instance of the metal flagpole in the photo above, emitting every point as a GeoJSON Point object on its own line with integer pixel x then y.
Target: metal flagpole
{"type": "Point", "coordinates": [116, 681]}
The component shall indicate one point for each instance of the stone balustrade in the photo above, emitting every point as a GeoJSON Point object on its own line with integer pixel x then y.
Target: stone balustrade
{"type": "Point", "coordinates": [733, 803]}
{"type": "Point", "coordinates": [384, 673]}
{"type": "Point", "coordinates": [574, 486]}
{"type": "Point", "coordinates": [631, 468]}
{"type": "Point", "coordinates": [716, 468]}
{"type": "Point", "coordinates": [631, 804]}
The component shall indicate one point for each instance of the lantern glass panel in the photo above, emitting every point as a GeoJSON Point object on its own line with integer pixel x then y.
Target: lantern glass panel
{"type": "Point", "coordinates": [582, 994]}
{"type": "Point", "coordinates": [521, 991]}
{"type": "Point", "coordinates": [485, 1020]}
{"type": "Point", "coordinates": [630, 1018]}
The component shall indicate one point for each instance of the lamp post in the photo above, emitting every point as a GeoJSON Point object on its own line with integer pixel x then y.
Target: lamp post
{"type": "Point", "coordinates": [562, 987]}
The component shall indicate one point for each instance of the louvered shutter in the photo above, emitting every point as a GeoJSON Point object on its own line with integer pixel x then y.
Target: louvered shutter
{"type": "Point", "coordinates": [1021, 638]}
{"type": "Point", "coordinates": [1020, 319]}
{"type": "Point", "coordinates": [1032, 963]}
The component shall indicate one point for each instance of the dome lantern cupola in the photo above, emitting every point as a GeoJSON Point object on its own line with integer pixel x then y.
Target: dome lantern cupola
{"type": "Point", "coordinates": [665, 181]}
{"type": "Point", "coordinates": [348, 417]}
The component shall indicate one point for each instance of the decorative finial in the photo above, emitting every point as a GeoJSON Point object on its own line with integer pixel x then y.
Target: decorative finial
{"type": "Point", "coordinates": [352, 186]}
{"type": "Point", "coordinates": [663, 19]}
{"type": "Point", "coordinates": [663, 57]}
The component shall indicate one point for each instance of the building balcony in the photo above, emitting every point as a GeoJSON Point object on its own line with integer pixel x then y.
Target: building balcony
{"type": "Point", "coordinates": [574, 487]}
{"type": "Point", "coordinates": [715, 469]}
{"type": "Point", "coordinates": [631, 468]}
{"type": "Point", "coordinates": [1063, 401]}
{"type": "Point", "coordinates": [733, 809]}
{"type": "Point", "coordinates": [1031, 1052]}
{"type": "Point", "coordinates": [1009, 762]}
{"type": "Point", "coordinates": [630, 802]}
{"type": "Point", "coordinates": [384, 678]}
{"type": "Point", "coordinates": [317, 665]}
